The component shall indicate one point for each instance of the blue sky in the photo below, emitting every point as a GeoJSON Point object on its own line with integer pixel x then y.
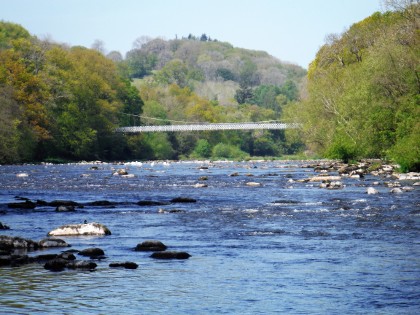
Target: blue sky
{"type": "Point", "coordinates": [290, 30]}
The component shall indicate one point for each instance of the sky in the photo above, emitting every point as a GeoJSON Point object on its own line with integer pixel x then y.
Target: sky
{"type": "Point", "coordinates": [290, 30]}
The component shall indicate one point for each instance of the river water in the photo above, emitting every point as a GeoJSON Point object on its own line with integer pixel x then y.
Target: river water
{"type": "Point", "coordinates": [283, 247]}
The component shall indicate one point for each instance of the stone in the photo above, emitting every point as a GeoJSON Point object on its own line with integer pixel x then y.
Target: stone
{"type": "Point", "coordinates": [4, 226]}
{"type": "Point", "coordinates": [407, 188]}
{"type": "Point", "coordinates": [57, 203]}
{"type": "Point", "coordinates": [82, 264]}
{"type": "Point", "coordinates": [144, 203]}
{"type": "Point", "coordinates": [126, 265]}
{"type": "Point", "coordinates": [65, 209]}
{"type": "Point", "coordinates": [199, 185]}
{"type": "Point", "coordinates": [183, 200]}
{"type": "Point", "coordinates": [150, 246]}
{"type": "Point", "coordinates": [14, 260]}
{"type": "Point", "coordinates": [396, 190]}
{"type": "Point", "coordinates": [80, 229]}
{"type": "Point", "coordinates": [120, 172]}
{"type": "Point", "coordinates": [52, 242]}
{"type": "Point", "coordinates": [57, 264]}
{"type": "Point", "coordinates": [92, 252]}
{"type": "Point", "coordinates": [22, 205]}
{"type": "Point", "coordinates": [170, 255]}
{"type": "Point", "coordinates": [253, 184]}
{"type": "Point", "coordinates": [329, 178]}
{"type": "Point", "coordinates": [372, 191]}
{"type": "Point", "coordinates": [100, 203]}
{"type": "Point", "coordinates": [11, 242]}
{"type": "Point", "coordinates": [335, 185]}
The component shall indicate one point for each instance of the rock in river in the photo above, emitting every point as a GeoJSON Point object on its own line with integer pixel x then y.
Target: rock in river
{"type": "Point", "coordinates": [52, 242]}
{"type": "Point", "coordinates": [10, 242]}
{"type": "Point", "coordinates": [93, 252]}
{"type": "Point", "coordinates": [150, 246]}
{"type": "Point", "coordinates": [81, 229]}
{"type": "Point", "coordinates": [126, 265]}
{"type": "Point", "coordinates": [171, 255]}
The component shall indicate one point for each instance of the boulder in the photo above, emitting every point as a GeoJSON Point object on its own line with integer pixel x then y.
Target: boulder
{"type": "Point", "coordinates": [253, 184]}
{"type": "Point", "coordinates": [144, 203]}
{"type": "Point", "coordinates": [11, 243]}
{"type": "Point", "coordinates": [65, 209]}
{"type": "Point", "coordinates": [82, 264]}
{"type": "Point", "coordinates": [14, 260]}
{"type": "Point", "coordinates": [81, 229]}
{"type": "Point", "coordinates": [150, 246]}
{"type": "Point", "coordinates": [22, 205]}
{"type": "Point", "coordinates": [93, 252]}
{"type": "Point", "coordinates": [200, 185]}
{"type": "Point", "coordinates": [101, 203]}
{"type": "Point", "coordinates": [126, 265]}
{"type": "Point", "coordinates": [396, 190]}
{"type": "Point", "coordinates": [4, 226]}
{"type": "Point", "coordinates": [183, 200]}
{"type": "Point", "coordinates": [57, 264]}
{"type": "Point", "coordinates": [57, 203]}
{"type": "Point", "coordinates": [170, 255]}
{"type": "Point", "coordinates": [329, 178]}
{"type": "Point", "coordinates": [372, 191]}
{"type": "Point", "coordinates": [120, 172]}
{"type": "Point", "coordinates": [52, 242]}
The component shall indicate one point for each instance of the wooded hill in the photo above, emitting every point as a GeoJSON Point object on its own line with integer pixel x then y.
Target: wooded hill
{"type": "Point", "coordinates": [364, 91]}
{"type": "Point", "coordinates": [360, 98]}
{"type": "Point", "coordinates": [60, 102]}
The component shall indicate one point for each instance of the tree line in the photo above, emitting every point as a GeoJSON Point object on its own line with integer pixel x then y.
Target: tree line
{"type": "Point", "coordinates": [358, 99]}
{"type": "Point", "coordinates": [363, 91]}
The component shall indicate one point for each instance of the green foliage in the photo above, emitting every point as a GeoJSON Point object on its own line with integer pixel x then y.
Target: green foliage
{"type": "Point", "coordinates": [228, 151]}
{"type": "Point", "coordinates": [160, 146]}
{"type": "Point", "coordinates": [202, 149]}
{"type": "Point", "coordinates": [140, 63]}
{"type": "Point", "coordinates": [363, 92]}
{"type": "Point", "coordinates": [10, 32]}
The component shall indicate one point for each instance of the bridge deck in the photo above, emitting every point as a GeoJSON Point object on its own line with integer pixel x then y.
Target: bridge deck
{"type": "Point", "coordinates": [201, 127]}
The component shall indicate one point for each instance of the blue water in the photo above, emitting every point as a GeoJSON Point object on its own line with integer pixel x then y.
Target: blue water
{"type": "Point", "coordinates": [284, 247]}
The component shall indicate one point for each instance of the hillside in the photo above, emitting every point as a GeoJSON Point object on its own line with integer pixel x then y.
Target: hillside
{"type": "Point", "coordinates": [363, 91]}
{"type": "Point", "coordinates": [212, 69]}
{"type": "Point", "coordinates": [64, 103]}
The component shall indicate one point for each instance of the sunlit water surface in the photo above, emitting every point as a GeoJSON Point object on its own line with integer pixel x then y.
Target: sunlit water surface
{"type": "Point", "coordinates": [283, 247]}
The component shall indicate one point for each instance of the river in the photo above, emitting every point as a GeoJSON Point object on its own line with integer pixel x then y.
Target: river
{"type": "Point", "coordinates": [283, 247]}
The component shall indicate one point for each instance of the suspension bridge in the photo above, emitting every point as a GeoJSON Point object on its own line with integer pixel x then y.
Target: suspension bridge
{"type": "Point", "coordinates": [210, 127]}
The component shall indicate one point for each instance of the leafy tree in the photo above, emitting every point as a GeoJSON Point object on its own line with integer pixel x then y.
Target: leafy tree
{"type": "Point", "coordinates": [140, 63]}
{"type": "Point", "coordinates": [202, 149]}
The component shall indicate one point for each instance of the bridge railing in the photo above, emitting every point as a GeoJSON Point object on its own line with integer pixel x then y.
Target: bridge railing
{"type": "Point", "coordinates": [207, 126]}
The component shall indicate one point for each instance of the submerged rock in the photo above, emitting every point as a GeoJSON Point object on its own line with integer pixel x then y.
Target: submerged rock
{"type": "Point", "coordinates": [93, 252]}
{"type": "Point", "coordinates": [11, 242]}
{"type": "Point", "coordinates": [126, 265]}
{"type": "Point", "coordinates": [325, 178]}
{"type": "Point", "coordinates": [4, 226]}
{"type": "Point", "coordinates": [57, 203]}
{"type": "Point", "coordinates": [22, 205]}
{"type": "Point", "coordinates": [170, 255]}
{"type": "Point", "coordinates": [183, 200]}
{"type": "Point", "coordinates": [372, 191]}
{"type": "Point", "coordinates": [81, 229]}
{"type": "Point", "coordinates": [150, 246]}
{"type": "Point", "coordinates": [52, 242]}
{"type": "Point", "coordinates": [65, 209]}
{"type": "Point", "coordinates": [144, 203]}
{"type": "Point", "coordinates": [253, 184]}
